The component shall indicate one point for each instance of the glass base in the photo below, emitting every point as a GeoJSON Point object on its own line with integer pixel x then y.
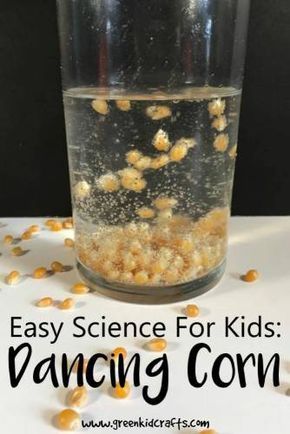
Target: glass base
{"type": "Point", "coordinates": [151, 294]}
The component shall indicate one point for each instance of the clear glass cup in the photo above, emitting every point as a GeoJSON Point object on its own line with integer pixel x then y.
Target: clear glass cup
{"type": "Point", "coordinates": [152, 92]}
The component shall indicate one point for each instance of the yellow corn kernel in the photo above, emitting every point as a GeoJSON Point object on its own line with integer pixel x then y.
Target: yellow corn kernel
{"type": "Point", "coordinates": [56, 226]}
{"type": "Point", "coordinates": [250, 276]}
{"type": "Point", "coordinates": [8, 239]}
{"type": "Point", "coordinates": [178, 152]}
{"type": "Point", "coordinates": [191, 310]}
{"type": "Point", "coordinates": [165, 214]}
{"type": "Point", "coordinates": [68, 242]}
{"type": "Point", "coordinates": [57, 267]}
{"type": "Point", "coordinates": [40, 273]}
{"type": "Point", "coordinates": [159, 162]}
{"type": "Point", "coordinates": [157, 112]}
{"type": "Point", "coordinates": [233, 152]}
{"type": "Point", "coordinates": [119, 351]}
{"type": "Point", "coordinates": [82, 190]}
{"type": "Point", "coordinates": [141, 278]}
{"type": "Point", "coordinates": [133, 156]}
{"type": "Point", "coordinates": [26, 235]}
{"type": "Point", "coordinates": [67, 224]}
{"type": "Point", "coordinates": [159, 265]}
{"type": "Point", "coordinates": [143, 163]}
{"type": "Point", "coordinates": [156, 344]}
{"type": "Point", "coordinates": [161, 141]}
{"type": "Point", "coordinates": [122, 392]}
{"type": "Point", "coordinates": [34, 229]}
{"type": "Point", "coordinates": [78, 397]}
{"type": "Point", "coordinates": [66, 304]}
{"type": "Point", "coordinates": [100, 106]}
{"type": "Point", "coordinates": [171, 275]}
{"type": "Point", "coordinates": [80, 288]}
{"type": "Point", "coordinates": [220, 123]}
{"type": "Point", "coordinates": [217, 107]}
{"type": "Point", "coordinates": [185, 245]}
{"type": "Point", "coordinates": [109, 182]}
{"type": "Point", "coordinates": [123, 105]}
{"type": "Point", "coordinates": [68, 420]}
{"type": "Point", "coordinates": [49, 222]}
{"type": "Point", "coordinates": [164, 202]}
{"type": "Point", "coordinates": [221, 142]}
{"type": "Point", "coordinates": [17, 251]}
{"type": "Point", "coordinates": [12, 278]}
{"type": "Point", "coordinates": [145, 213]}
{"type": "Point", "coordinates": [44, 302]}
{"type": "Point", "coordinates": [136, 185]}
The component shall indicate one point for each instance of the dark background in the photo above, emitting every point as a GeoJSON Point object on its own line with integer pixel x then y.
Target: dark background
{"type": "Point", "coordinates": [33, 161]}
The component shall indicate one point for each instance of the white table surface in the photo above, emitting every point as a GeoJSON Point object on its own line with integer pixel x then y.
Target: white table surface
{"type": "Point", "coordinates": [262, 243]}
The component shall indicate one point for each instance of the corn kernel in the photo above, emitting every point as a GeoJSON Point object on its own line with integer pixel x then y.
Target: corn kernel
{"type": "Point", "coordinates": [82, 190]}
{"type": "Point", "coordinates": [188, 142]}
{"type": "Point", "coordinates": [40, 273]}
{"type": "Point", "coordinates": [44, 302]}
{"type": "Point", "coordinates": [250, 276]}
{"type": "Point", "coordinates": [49, 222]}
{"type": "Point", "coordinates": [119, 351]}
{"type": "Point", "coordinates": [191, 310]}
{"type": "Point", "coordinates": [78, 397]}
{"type": "Point", "coordinates": [157, 112]}
{"type": "Point", "coordinates": [68, 242]}
{"type": "Point", "coordinates": [34, 229]}
{"type": "Point", "coordinates": [186, 245]}
{"type": "Point", "coordinates": [143, 163]}
{"type": "Point", "coordinates": [156, 344]}
{"type": "Point", "coordinates": [178, 152]}
{"type": "Point", "coordinates": [122, 392]}
{"type": "Point", "coordinates": [66, 304]}
{"type": "Point", "coordinates": [171, 275]}
{"type": "Point", "coordinates": [136, 185]}
{"type": "Point", "coordinates": [133, 156]}
{"type": "Point", "coordinates": [221, 142]}
{"type": "Point", "coordinates": [233, 152]}
{"type": "Point", "coordinates": [216, 107]}
{"type": "Point", "coordinates": [17, 251]}
{"type": "Point", "coordinates": [67, 224]}
{"type": "Point", "coordinates": [164, 202]}
{"type": "Point", "coordinates": [68, 420]}
{"type": "Point", "coordinates": [141, 278]}
{"type": "Point", "coordinates": [135, 247]}
{"type": "Point", "coordinates": [109, 182]}
{"type": "Point", "coordinates": [145, 213]}
{"type": "Point", "coordinates": [220, 123]}
{"type": "Point", "coordinates": [123, 105]}
{"type": "Point", "coordinates": [12, 278]}
{"type": "Point", "coordinates": [159, 162]}
{"type": "Point", "coordinates": [129, 262]}
{"type": "Point", "coordinates": [161, 141]}
{"type": "Point", "coordinates": [57, 267]}
{"type": "Point", "coordinates": [100, 106]}
{"type": "Point", "coordinates": [158, 266]}
{"type": "Point", "coordinates": [165, 214]}
{"type": "Point", "coordinates": [8, 239]}
{"type": "Point", "coordinates": [80, 288]}
{"type": "Point", "coordinates": [56, 226]}
{"type": "Point", "coordinates": [26, 235]}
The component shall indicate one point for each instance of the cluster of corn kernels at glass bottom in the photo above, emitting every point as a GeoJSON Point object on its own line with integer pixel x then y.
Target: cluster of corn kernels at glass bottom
{"type": "Point", "coordinates": [160, 253]}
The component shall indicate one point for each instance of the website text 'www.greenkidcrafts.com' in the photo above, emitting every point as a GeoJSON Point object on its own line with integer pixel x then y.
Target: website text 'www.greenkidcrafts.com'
{"type": "Point", "coordinates": [154, 423]}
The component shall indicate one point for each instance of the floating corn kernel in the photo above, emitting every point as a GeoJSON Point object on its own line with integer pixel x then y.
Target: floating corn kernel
{"type": "Point", "coordinates": [250, 276]}
{"type": "Point", "coordinates": [131, 179]}
{"type": "Point", "coordinates": [76, 366]}
{"type": "Point", "coordinates": [122, 392]}
{"type": "Point", "coordinates": [40, 273]}
{"type": "Point", "coordinates": [141, 278]}
{"type": "Point", "coordinates": [100, 106]}
{"type": "Point", "coordinates": [216, 107]}
{"type": "Point", "coordinates": [68, 420]}
{"type": "Point", "coordinates": [233, 152]}
{"type": "Point", "coordinates": [67, 224]}
{"type": "Point", "coordinates": [82, 189]}
{"type": "Point", "coordinates": [145, 213]}
{"type": "Point", "coordinates": [133, 156]}
{"type": "Point", "coordinates": [8, 239]}
{"type": "Point", "coordinates": [78, 397]}
{"type": "Point", "coordinates": [44, 302]}
{"type": "Point", "coordinates": [220, 123]}
{"type": "Point", "coordinates": [221, 142]}
{"type": "Point", "coordinates": [66, 304]}
{"type": "Point", "coordinates": [164, 202]}
{"type": "Point", "coordinates": [165, 214]}
{"type": "Point", "coordinates": [49, 222]}
{"type": "Point", "coordinates": [26, 235]}
{"type": "Point", "coordinates": [191, 310]}
{"type": "Point", "coordinates": [123, 105]}
{"type": "Point", "coordinates": [80, 288]}
{"type": "Point", "coordinates": [109, 182]}
{"type": "Point", "coordinates": [12, 278]}
{"type": "Point", "coordinates": [143, 163]}
{"type": "Point", "coordinates": [157, 112]}
{"type": "Point", "coordinates": [180, 149]}
{"type": "Point", "coordinates": [17, 251]}
{"type": "Point", "coordinates": [34, 229]}
{"type": "Point", "coordinates": [68, 242]}
{"type": "Point", "coordinates": [161, 141]}
{"type": "Point", "coordinates": [119, 351]}
{"type": "Point", "coordinates": [57, 267]}
{"type": "Point", "coordinates": [157, 344]}
{"type": "Point", "coordinates": [159, 162]}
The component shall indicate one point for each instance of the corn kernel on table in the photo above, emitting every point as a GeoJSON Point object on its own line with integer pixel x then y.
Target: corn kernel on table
{"type": "Point", "coordinates": [262, 243]}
